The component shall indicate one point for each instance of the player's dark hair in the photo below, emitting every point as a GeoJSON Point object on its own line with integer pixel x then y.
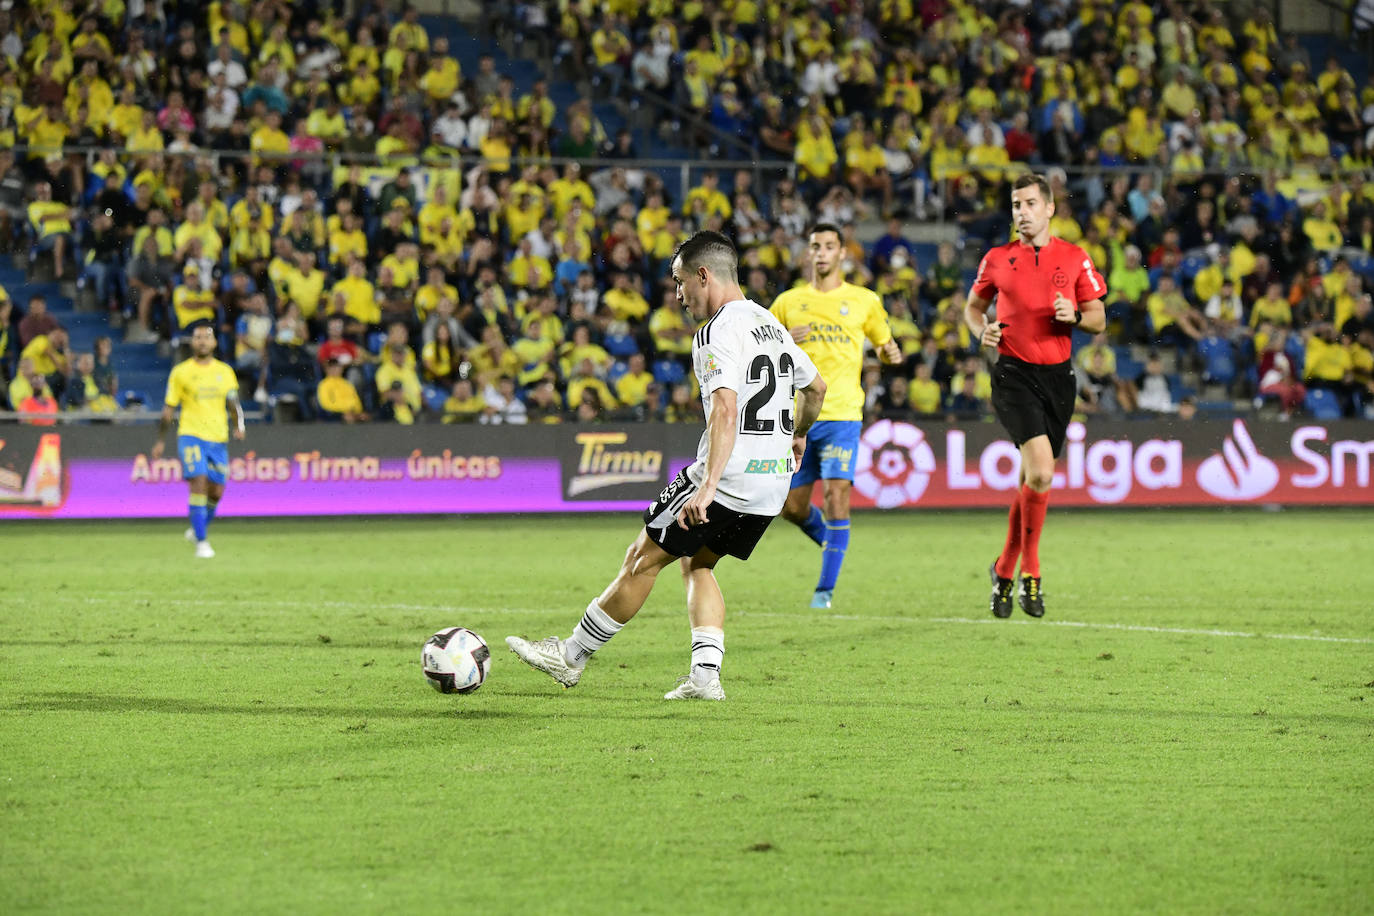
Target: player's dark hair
{"type": "Point", "coordinates": [710, 250]}
{"type": "Point", "coordinates": [1032, 179]}
{"type": "Point", "coordinates": [826, 227]}
{"type": "Point", "coordinates": [198, 324]}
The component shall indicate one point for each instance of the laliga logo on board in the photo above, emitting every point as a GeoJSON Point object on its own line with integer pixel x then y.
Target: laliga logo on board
{"type": "Point", "coordinates": [895, 464]}
{"type": "Point", "coordinates": [1240, 472]}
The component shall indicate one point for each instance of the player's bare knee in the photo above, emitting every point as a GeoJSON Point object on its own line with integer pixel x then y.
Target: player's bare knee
{"type": "Point", "coordinates": [1039, 480]}
{"type": "Point", "coordinates": [837, 503]}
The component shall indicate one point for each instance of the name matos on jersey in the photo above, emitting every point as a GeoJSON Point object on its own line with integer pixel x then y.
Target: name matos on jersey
{"type": "Point", "coordinates": [743, 347]}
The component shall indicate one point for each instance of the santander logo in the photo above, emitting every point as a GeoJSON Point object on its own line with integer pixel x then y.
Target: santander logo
{"type": "Point", "coordinates": [1240, 472]}
{"type": "Point", "coordinates": [895, 464]}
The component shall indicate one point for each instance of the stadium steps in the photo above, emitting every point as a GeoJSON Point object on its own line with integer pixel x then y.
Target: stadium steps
{"type": "Point", "coordinates": [1321, 46]}
{"type": "Point", "coordinates": [84, 327]}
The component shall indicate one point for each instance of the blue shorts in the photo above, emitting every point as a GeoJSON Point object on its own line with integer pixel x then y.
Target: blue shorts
{"type": "Point", "coordinates": [832, 447]}
{"type": "Point", "coordinates": [203, 459]}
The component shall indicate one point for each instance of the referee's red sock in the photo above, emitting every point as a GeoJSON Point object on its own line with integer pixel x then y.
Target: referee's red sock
{"type": "Point", "coordinates": [1033, 506]}
{"type": "Point", "coordinates": [1011, 550]}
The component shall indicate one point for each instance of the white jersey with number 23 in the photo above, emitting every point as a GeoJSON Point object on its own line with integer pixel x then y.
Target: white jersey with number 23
{"type": "Point", "coordinates": [744, 348]}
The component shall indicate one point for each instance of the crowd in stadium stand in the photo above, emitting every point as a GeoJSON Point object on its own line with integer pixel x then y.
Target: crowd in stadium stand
{"type": "Point", "coordinates": [169, 156]}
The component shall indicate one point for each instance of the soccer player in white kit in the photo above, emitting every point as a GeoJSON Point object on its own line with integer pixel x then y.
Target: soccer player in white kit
{"type": "Point", "coordinates": [750, 371]}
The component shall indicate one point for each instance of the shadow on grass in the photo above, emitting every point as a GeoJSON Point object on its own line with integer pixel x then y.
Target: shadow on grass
{"type": "Point", "coordinates": [305, 642]}
{"type": "Point", "coordinates": [460, 708]}
{"type": "Point", "coordinates": [182, 706]}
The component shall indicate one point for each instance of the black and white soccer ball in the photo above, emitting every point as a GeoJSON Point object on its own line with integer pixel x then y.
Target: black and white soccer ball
{"type": "Point", "coordinates": [455, 660]}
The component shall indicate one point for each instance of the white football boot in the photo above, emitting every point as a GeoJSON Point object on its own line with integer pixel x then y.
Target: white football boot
{"type": "Point", "coordinates": [191, 535]}
{"type": "Point", "coordinates": [687, 690]}
{"type": "Point", "coordinates": [546, 655]}
{"type": "Point", "coordinates": [203, 550]}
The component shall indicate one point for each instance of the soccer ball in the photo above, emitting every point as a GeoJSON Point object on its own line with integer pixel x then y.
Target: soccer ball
{"type": "Point", "coordinates": [455, 660]}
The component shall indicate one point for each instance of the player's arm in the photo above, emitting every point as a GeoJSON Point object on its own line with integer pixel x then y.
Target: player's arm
{"type": "Point", "coordinates": [799, 332]}
{"type": "Point", "coordinates": [808, 409]}
{"type": "Point", "coordinates": [1090, 290]}
{"type": "Point", "coordinates": [164, 426]}
{"type": "Point", "coordinates": [880, 333]}
{"type": "Point", "coordinates": [976, 305]}
{"type": "Point", "coordinates": [1091, 316]}
{"type": "Point", "coordinates": [231, 400]}
{"type": "Point", "coordinates": [721, 432]}
{"type": "Point", "coordinates": [989, 333]}
{"type": "Point", "coordinates": [812, 394]}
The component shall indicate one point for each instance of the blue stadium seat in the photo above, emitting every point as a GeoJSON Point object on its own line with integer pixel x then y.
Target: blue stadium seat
{"type": "Point", "coordinates": [668, 372]}
{"type": "Point", "coordinates": [1128, 368]}
{"type": "Point", "coordinates": [620, 345]}
{"type": "Point", "coordinates": [1218, 359]}
{"type": "Point", "coordinates": [1322, 404]}
{"type": "Point", "coordinates": [1192, 265]}
{"type": "Point", "coordinates": [1296, 351]}
{"type": "Point", "coordinates": [434, 397]}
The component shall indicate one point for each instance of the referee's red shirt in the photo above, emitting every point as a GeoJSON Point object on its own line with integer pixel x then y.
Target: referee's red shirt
{"type": "Point", "coordinates": [1024, 282]}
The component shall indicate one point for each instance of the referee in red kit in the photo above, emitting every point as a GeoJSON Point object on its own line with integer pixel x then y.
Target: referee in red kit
{"type": "Point", "coordinates": [1044, 287]}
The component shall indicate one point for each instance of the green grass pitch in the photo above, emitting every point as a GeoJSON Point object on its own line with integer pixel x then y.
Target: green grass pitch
{"type": "Point", "coordinates": [1191, 729]}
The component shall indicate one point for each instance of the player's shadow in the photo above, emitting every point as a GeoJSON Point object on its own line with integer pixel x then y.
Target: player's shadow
{"type": "Point", "coordinates": [181, 706]}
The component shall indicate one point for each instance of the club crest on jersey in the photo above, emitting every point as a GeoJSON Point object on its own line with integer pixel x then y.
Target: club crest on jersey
{"type": "Point", "coordinates": [1060, 279]}
{"type": "Point", "coordinates": [844, 308]}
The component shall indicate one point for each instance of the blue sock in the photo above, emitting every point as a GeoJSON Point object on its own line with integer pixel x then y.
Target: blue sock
{"type": "Point", "coordinates": [814, 526]}
{"type": "Point", "coordinates": [198, 516]}
{"type": "Point", "coordinates": [210, 508]}
{"type": "Point", "coordinates": [832, 557]}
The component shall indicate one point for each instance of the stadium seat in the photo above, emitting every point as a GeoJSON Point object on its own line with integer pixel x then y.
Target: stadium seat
{"type": "Point", "coordinates": [668, 372]}
{"type": "Point", "coordinates": [1322, 404]}
{"type": "Point", "coordinates": [1192, 265]}
{"type": "Point", "coordinates": [620, 346]}
{"type": "Point", "coordinates": [1218, 359]}
{"type": "Point", "coordinates": [434, 398]}
{"type": "Point", "coordinates": [1296, 351]}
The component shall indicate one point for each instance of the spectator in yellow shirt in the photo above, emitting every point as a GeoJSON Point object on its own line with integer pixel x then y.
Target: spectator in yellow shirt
{"type": "Point", "coordinates": [866, 169]}
{"type": "Point", "coordinates": [337, 398]}
{"type": "Point", "coordinates": [305, 286]}
{"type": "Point", "coordinates": [529, 271]}
{"type": "Point", "coordinates": [52, 224]}
{"type": "Point", "coordinates": [191, 303]}
{"type": "Point", "coordinates": [624, 301]}
{"type": "Point", "coordinates": [669, 327]}
{"type": "Point", "coordinates": [356, 297]}
{"type": "Point", "coordinates": [270, 142]}
{"type": "Point", "coordinates": [632, 388]}
{"type": "Point", "coordinates": [197, 227]}
{"type": "Point", "coordinates": [435, 289]}
{"type": "Point", "coordinates": [1324, 234]}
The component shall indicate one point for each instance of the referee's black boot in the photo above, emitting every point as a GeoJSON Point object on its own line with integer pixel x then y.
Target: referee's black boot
{"type": "Point", "coordinates": [1032, 600]}
{"type": "Point", "coordinates": [1001, 592]}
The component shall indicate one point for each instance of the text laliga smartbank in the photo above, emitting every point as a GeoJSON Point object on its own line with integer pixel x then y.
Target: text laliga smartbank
{"type": "Point", "coordinates": [1109, 469]}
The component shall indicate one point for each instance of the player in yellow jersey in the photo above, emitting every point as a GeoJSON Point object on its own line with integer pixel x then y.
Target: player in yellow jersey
{"type": "Point", "coordinates": [206, 390]}
{"type": "Point", "coordinates": [830, 318]}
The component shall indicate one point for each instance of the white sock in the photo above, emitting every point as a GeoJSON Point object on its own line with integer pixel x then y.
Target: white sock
{"type": "Point", "coordinates": [593, 631]}
{"type": "Point", "coordinates": [708, 652]}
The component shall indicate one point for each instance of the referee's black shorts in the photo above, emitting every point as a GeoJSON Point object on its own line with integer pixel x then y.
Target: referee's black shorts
{"type": "Point", "coordinates": [1034, 399]}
